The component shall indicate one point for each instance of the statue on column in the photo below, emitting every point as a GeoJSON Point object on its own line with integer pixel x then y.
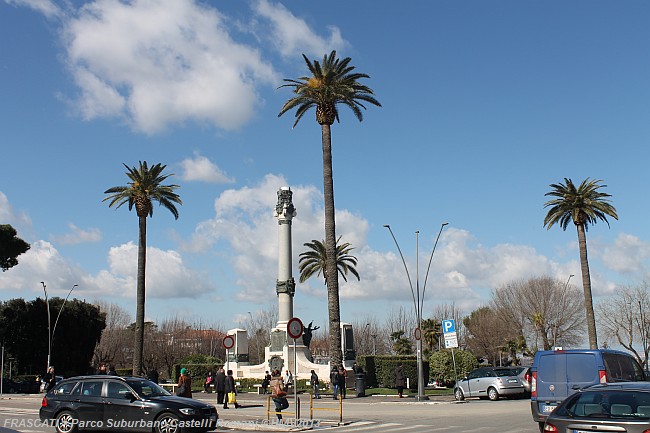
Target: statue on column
{"type": "Point", "coordinates": [307, 334]}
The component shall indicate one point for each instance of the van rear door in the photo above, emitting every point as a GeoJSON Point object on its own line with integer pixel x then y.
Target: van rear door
{"type": "Point", "coordinates": [560, 374]}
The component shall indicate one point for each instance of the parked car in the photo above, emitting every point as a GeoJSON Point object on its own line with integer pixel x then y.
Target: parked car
{"type": "Point", "coordinates": [524, 376]}
{"type": "Point", "coordinates": [621, 407]}
{"type": "Point", "coordinates": [489, 382]}
{"type": "Point", "coordinates": [122, 404]}
{"type": "Point", "coordinates": [557, 374]}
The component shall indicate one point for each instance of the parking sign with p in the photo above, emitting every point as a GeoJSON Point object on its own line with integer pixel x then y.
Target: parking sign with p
{"type": "Point", "coordinates": [448, 326]}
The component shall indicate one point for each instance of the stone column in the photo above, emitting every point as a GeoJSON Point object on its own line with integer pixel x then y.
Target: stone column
{"type": "Point", "coordinates": [285, 285]}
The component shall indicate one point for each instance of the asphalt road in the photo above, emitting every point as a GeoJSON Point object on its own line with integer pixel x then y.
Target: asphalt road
{"type": "Point", "coordinates": [369, 414]}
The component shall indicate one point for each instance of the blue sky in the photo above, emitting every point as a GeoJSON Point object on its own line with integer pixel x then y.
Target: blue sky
{"type": "Point", "coordinates": [485, 104]}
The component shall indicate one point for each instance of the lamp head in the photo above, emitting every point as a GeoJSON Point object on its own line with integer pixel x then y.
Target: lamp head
{"type": "Point", "coordinates": [387, 226]}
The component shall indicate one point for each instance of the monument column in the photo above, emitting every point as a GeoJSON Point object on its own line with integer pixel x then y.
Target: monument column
{"type": "Point", "coordinates": [285, 284]}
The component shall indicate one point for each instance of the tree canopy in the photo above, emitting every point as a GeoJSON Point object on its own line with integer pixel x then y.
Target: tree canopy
{"type": "Point", "coordinates": [11, 246]}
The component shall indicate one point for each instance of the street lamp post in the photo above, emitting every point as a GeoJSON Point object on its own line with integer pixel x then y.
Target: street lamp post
{"type": "Point", "coordinates": [418, 300]}
{"type": "Point", "coordinates": [51, 331]}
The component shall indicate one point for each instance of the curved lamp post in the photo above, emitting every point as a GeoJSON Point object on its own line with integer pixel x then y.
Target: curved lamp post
{"type": "Point", "coordinates": [418, 300]}
{"type": "Point", "coordinates": [51, 331]}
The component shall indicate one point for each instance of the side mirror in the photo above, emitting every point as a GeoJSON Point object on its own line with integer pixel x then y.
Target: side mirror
{"type": "Point", "coordinates": [130, 396]}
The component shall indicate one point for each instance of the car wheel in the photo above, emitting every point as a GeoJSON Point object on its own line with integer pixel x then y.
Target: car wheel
{"type": "Point", "coordinates": [493, 394]}
{"type": "Point", "coordinates": [167, 423]}
{"type": "Point", "coordinates": [65, 422]}
{"type": "Point", "coordinates": [458, 394]}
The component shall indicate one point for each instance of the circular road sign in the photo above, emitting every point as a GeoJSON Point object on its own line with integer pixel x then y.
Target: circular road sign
{"type": "Point", "coordinates": [228, 342]}
{"type": "Point", "coordinates": [417, 333]}
{"type": "Point", "coordinates": [295, 328]}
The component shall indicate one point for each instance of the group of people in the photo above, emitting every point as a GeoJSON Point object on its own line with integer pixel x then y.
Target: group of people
{"type": "Point", "coordinates": [106, 369]}
{"type": "Point", "coordinates": [338, 377]}
{"type": "Point", "coordinates": [222, 381]}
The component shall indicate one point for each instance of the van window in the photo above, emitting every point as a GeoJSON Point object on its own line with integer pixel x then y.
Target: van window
{"type": "Point", "coordinates": [622, 368]}
{"type": "Point", "coordinates": [574, 367]}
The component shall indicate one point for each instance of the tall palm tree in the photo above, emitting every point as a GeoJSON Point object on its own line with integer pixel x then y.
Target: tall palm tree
{"type": "Point", "coordinates": [144, 187]}
{"type": "Point", "coordinates": [583, 205]}
{"type": "Point", "coordinates": [314, 261]}
{"type": "Point", "coordinates": [331, 83]}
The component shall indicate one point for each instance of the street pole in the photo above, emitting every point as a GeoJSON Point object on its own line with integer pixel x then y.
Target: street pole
{"type": "Point", "coordinates": [418, 301]}
{"type": "Point", "coordinates": [59, 315]}
{"type": "Point", "coordinates": [49, 330]}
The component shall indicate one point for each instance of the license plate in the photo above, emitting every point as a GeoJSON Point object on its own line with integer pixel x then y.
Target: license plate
{"type": "Point", "coordinates": [579, 431]}
{"type": "Point", "coordinates": [549, 409]}
{"type": "Point", "coordinates": [213, 417]}
{"type": "Point", "coordinates": [512, 380]}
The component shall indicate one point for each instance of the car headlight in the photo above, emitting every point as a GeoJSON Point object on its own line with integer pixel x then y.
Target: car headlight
{"type": "Point", "coordinates": [188, 411]}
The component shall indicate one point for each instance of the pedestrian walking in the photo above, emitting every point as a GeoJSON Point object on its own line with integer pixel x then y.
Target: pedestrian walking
{"type": "Point", "coordinates": [184, 388]}
{"type": "Point", "coordinates": [279, 393]}
{"type": "Point", "coordinates": [400, 379]}
{"type": "Point", "coordinates": [334, 381]}
{"type": "Point", "coordinates": [314, 382]}
{"type": "Point", "coordinates": [220, 385]}
{"type": "Point", "coordinates": [231, 391]}
{"type": "Point", "coordinates": [266, 382]}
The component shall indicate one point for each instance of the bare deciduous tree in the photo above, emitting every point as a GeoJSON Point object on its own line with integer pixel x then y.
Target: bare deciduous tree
{"type": "Point", "coordinates": [543, 309]}
{"type": "Point", "coordinates": [624, 318]}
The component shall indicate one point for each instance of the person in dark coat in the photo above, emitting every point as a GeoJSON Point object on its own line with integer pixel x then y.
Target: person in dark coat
{"type": "Point", "coordinates": [334, 380]}
{"type": "Point", "coordinates": [220, 385]}
{"type": "Point", "coordinates": [343, 375]}
{"type": "Point", "coordinates": [230, 387]}
{"type": "Point", "coordinates": [153, 375]}
{"type": "Point", "coordinates": [266, 382]}
{"type": "Point", "coordinates": [49, 379]}
{"type": "Point", "coordinates": [400, 380]}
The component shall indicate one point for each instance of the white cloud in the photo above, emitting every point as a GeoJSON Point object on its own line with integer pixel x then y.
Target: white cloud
{"type": "Point", "coordinates": [9, 216]}
{"type": "Point", "coordinates": [42, 262]}
{"type": "Point", "coordinates": [628, 254]}
{"type": "Point", "coordinates": [292, 36]}
{"type": "Point", "coordinates": [78, 236]}
{"type": "Point", "coordinates": [202, 169]}
{"type": "Point", "coordinates": [166, 276]}
{"type": "Point", "coordinates": [157, 63]}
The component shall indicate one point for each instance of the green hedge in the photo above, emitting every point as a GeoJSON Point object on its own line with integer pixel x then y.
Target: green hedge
{"type": "Point", "coordinates": [380, 370]}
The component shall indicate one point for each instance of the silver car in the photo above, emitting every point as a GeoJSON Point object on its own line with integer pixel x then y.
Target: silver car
{"type": "Point", "coordinates": [608, 407]}
{"type": "Point", "coordinates": [489, 382]}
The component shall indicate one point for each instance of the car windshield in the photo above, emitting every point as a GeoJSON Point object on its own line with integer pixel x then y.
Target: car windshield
{"type": "Point", "coordinates": [147, 389]}
{"type": "Point", "coordinates": [505, 372]}
{"type": "Point", "coordinates": [609, 404]}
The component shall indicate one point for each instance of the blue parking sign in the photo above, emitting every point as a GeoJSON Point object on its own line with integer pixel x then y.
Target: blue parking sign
{"type": "Point", "coordinates": [448, 326]}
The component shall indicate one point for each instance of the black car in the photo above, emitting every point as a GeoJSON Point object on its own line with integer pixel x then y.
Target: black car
{"type": "Point", "coordinates": [607, 407]}
{"type": "Point", "coordinates": [122, 404]}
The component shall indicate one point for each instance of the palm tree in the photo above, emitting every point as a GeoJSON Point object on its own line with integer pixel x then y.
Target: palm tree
{"type": "Point", "coordinates": [314, 261]}
{"type": "Point", "coordinates": [431, 330]}
{"type": "Point", "coordinates": [145, 186]}
{"type": "Point", "coordinates": [331, 83]}
{"type": "Point", "coordinates": [583, 205]}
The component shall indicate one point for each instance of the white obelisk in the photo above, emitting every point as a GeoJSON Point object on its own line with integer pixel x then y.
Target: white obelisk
{"type": "Point", "coordinates": [285, 284]}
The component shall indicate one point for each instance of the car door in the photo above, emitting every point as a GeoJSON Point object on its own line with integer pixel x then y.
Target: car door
{"type": "Point", "coordinates": [485, 379]}
{"type": "Point", "coordinates": [473, 382]}
{"type": "Point", "coordinates": [90, 404]}
{"type": "Point", "coordinates": [123, 409]}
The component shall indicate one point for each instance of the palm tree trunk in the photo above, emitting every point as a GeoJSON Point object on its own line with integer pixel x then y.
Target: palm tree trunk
{"type": "Point", "coordinates": [138, 342]}
{"type": "Point", "coordinates": [586, 285]}
{"type": "Point", "coordinates": [333, 306]}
